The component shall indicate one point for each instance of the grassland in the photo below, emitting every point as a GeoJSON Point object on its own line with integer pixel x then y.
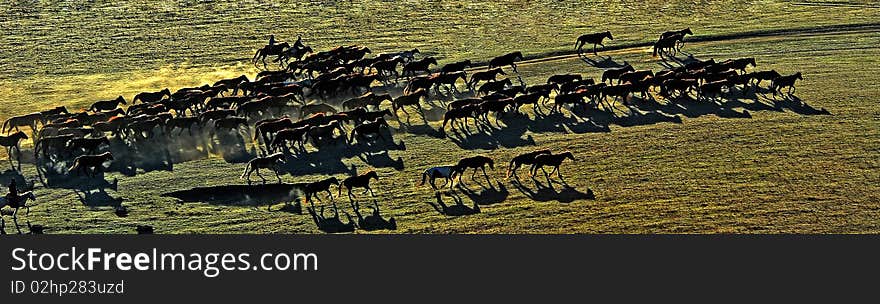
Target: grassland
{"type": "Point", "coordinates": [776, 169]}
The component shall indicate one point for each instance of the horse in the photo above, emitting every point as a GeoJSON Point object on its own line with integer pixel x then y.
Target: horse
{"type": "Point", "coordinates": [458, 113]}
{"type": "Point", "coordinates": [667, 45]}
{"type": "Point", "coordinates": [265, 162]}
{"type": "Point", "coordinates": [530, 98]}
{"type": "Point", "coordinates": [449, 79]}
{"type": "Point", "coordinates": [388, 67]}
{"type": "Point", "coordinates": [370, 116]}
{"type": "Point", "coordinates": [592, 38]}
{"type": "Point", "coordinates": [446, 172]}
{"type": "Point", "coordinates": [49, 144]}
{"type": "Point", "coordinates": [682, 32]}
{"type": "Point", "coordinates": [151, 97]}
{"type": "Point", "coordinates": [455, 66]}
{"type": "Point", "coordinates": [422, 65]}
{"type": "Point", "coordinates": [269, 50]}
{"type": "Point", "coordinates": [494, 86]}
{"type": "Point", "coordinates": [86, 162]}
{"type": "Point", "coordinates": [107, 105]}
{"type": "Point", "coordinates": [489, 75]}
{"type": "Point", "coordinates": [634, 76]}
{"type": "Point", "coordinates": [412, 99]}
{"type": "Point", "coordinates": [295, 135]}
{"type": "Point", "coordinates": [309, 109]}
{"type": "Point", "coordinates": [10, 142]}
{"type": "Point", "coordinates": [765, 75]}
{"type": "Point", "coordinates": [373, 127]}
{"type": "Point", "coordinates": [89, 145]}
{"type": "Point", "coordinates": [27, 120]}
{"type": "Point", "coordinates": [316, 133]}
{"type": "Point", "coordinates": [420, 82]}
{"type": "Point", "coordinates": [474, 162]}
{"type": "Point", "coordinates": [738, 64]}
{"type": "Point", "coordinates": [506, 59]}
{"type": "Point", "coordinates": [785, 81]}
{"type": "Point", "coordinates": [614, 73]}
{"type": "Point", "coordinates": [232, 83]}
{"type": "Point", "coordinates": [368, 99]}
{"type": "Point", "coordinates": [561, 79]}
{"type": "Point", "coordinates": [713, 89]}
{"type": "Point", "coordinates": [18, 203]}
{"type": "Point", "coordinates": [313, 188]}
{"type": "Point", "coordinates": [523, 159]}
{"type": "Point", "coordinates": [181, 123]}
{"type": "Point", "coordinates": [358, 181]}
{"type": "Point", "coordinates": [682, 86]}
{"type": "Point", "coordinates": [552, 160]}
{"type": "Point", "coordinates": [211, 115]}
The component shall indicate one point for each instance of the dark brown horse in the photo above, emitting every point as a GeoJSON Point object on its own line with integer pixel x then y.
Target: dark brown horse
{"type": "Point", "coordinates": [358, 181]}
{"type": "Point", "coordinates": [506, 59]}
{"type": "Point", "coordinates": [489, 75]}
{"type": "Point", "coordinates": [422, 65]}
{"type": "Point", "coordinates": [592, 38]}
{"type": "Point", "coordinates": [455, 66]}
{"type": "Point", "coordinates": [370, 128]}
{"type": "Point", "coordinates": [785, 81]}
{"type": "Point", "coordinates": [614, 73]}
{"type": "Point", "coordinates": [13, 142]}
{"type": "Point", "coordinates": [523, 159]}
{"type": "Point", "coordinates": [312, 189]}
{"type": "Point", "coordinates": [550, 160]}
{"type": "Point", "coordinates": [412, 99]}
{"type": "Point", "coordinates": [474, 162]}
{"type": "Point", "coordinates": [151, 97]}
{"type": "Point", "coordinates": [266, 162]}
{"type": "Point", "coordinates": [107, 105]}
{"type": "Point", "coordinates": [90, 164]}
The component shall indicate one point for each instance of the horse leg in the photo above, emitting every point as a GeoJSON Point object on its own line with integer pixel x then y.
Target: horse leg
{"type": "Point", "coordinates": [18, 156]}
{"type": "Point", "coordinates": [486, 175]}
{"type": "Point", "coordinates": [277, 176]}
{"type": "Point", "coordinates": [514, 67]}
{"type": "Point", "coordinates": [257, 170]}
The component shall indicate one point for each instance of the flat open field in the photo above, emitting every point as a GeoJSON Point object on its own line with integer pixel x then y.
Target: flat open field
{"type": "Point", "coordinates": [749, 165]}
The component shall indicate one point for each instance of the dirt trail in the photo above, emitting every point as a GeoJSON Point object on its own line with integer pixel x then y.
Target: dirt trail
{"type": "Point", "coordinates": [637, 46]}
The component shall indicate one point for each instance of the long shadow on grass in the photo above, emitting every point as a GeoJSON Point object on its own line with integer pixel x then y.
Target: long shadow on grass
{"type": "Point", "coordinates": [247, 195]}
{"type": "Point", "coordinates": [546, 193]}
{"type": "Point", "coordinates": [457, 209]}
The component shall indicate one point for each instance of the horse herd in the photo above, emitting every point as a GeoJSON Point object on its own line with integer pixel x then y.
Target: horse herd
{"type": "Point", "coordinates": [326, 98]}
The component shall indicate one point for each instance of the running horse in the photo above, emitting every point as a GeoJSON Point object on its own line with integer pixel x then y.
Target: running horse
{"type": "Point", "coordinates": [269, 50]}
{"type": "Point", "coordinates": [13, 142]}
{"type": "Point", "coordinates": [594, 39]}
{"type": "Point", "coordinates": [506, 59]}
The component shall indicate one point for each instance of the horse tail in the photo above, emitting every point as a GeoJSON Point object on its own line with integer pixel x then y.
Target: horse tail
{"type": "Point", "coordinates": [5, 124]}
{"type": "Point", "coordinates": [655, 51]}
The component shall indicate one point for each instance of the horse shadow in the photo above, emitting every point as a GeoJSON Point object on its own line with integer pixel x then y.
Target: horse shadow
{"type": "Point", "coordinates": [331, 224]}
{"type": "Point", "coordinates": [241, 195]}
{"type": "Point", "coordinates": [603, 62]}
{"type": "Point", "coordinates": [546, 193]}
{"type": "Point", "coordinates": [633, 118]}
{"type": "Point", "coordinates": [382, 160]}
{"type": "Point", "coordinates": [796, 105]}
{"type": "Point", "coordinates": [486, 195]}
{"type": "Point", "coordinates": [692, 108]}
{"type": "Point", "coordinates": [489, 137]}
{"type": "Point", "coordinates": [319, 162]}
{"type": "Point", "coordinates": [423, 129]}
{"type": "Point", "coordinates": [458, 209]}
{"type": "Point", "coordinates": [374, 221]}
{"type": "Point", "coordinates": [99, 197]}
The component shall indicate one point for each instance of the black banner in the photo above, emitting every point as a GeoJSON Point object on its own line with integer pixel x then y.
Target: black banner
{"type": "Point", "coordinates": [406, 268]}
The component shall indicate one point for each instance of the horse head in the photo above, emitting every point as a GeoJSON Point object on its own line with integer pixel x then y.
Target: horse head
{"type": "Point", "coordinates": [798, 75]}
{"type": "Point", "coordinates": [120, 99]}
{"type": "Point", "coordinates": [687, 31]}
{"type": "Point", "coordinates": [568, 154]}
{"type": "Point", "coordinates": [166, 91]}
{"type": "Point", "coordinates": [372, 174]}
{"type": "Point", "coordinates": [608, 34]}
{"type": "Point", "coordinates": [431, 60]}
